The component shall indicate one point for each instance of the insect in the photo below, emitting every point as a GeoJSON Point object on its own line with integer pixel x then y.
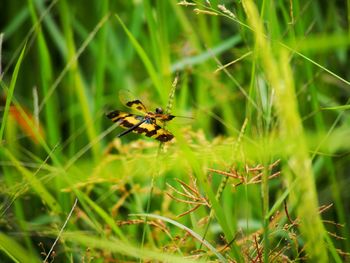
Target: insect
{"type": "Point", "coordinates": [149, 123]}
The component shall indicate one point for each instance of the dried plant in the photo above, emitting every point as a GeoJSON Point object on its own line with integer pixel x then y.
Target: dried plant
{"type": "Point", "coordinates": [190, 195]}
{"type": "Point", "coordinates": [250, 175]}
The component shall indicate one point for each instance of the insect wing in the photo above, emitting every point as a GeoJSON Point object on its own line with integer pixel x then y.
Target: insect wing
{"type": "Point", "coordinates": [129, 100]}
{"type": "Point", "coordinates": [124, 119]}
{"type": "Point", "coordinates": [137, 105]}
{"type": "Point", "coordinates": [154, 131]}
{"type": "Point", "coordinates": [132, 128]}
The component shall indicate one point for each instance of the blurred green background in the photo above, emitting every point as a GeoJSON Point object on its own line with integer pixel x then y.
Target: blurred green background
{"type": "Point", "coordinates": [261, 81]}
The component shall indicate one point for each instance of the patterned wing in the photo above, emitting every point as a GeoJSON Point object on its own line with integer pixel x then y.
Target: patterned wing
{"type": "Point", "coordinates": [137, 105]}
{"type": "Point", "coordinates": [128, 99]}
{"type": "Point", "coordinates": [154, 131]}
{"type": "Point", "coordinates": [125, 119]}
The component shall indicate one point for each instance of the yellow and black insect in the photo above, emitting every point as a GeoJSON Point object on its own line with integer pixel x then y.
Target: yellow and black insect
{"type": "Point", "coordinates": [149, 123]}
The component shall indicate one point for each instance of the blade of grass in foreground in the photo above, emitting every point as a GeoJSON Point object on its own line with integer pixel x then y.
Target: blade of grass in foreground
{"type": "Point", "coordinates": [15, 251]}
{"type": "Point", "coordinates": [85, 200]}
{"type": "Point", "coordinates": [343, 107]}
{"type": "Point", "coordinates": [35, 183]}
{"type": "Point", "coordinates": [122, 248]}
{"type": "Point", "coordinates": [188, 230]}
{"type": "Point", "coordinates": [10, 93]}
{"type": "Point", "coordinates": [303, 194]}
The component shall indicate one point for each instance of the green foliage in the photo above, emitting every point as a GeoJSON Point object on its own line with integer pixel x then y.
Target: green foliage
{"type": "Point", "coordinates": [258, 173]}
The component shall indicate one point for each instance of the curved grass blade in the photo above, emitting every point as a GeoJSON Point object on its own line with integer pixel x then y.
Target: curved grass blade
{"type": "Point", "coordinates": [188, 230]}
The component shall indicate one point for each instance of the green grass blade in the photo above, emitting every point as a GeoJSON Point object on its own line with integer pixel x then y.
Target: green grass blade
{"type": "Point", "coordinates": [35, 183]}
{"type": "Point", "coordinates": [188, 230]}
{"type": "Point", "coordinates": [146, 61]}
{"type": "Point", "coordinates": [10, 93]}
{"type": "Point", "coordinates": [122, 248]}
{"type": "Point", "coordinates": [75, 76]}
{"type": "Point", "coordinates": [276, 68]}
{"type": "Point", "coordinates": [15, 251]}
{"type": "Point", "coordinates": [51, 107]}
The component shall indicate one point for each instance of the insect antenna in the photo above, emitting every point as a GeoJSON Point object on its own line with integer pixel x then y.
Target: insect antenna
{"type": "Point", "coordinates": [186, 117]}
